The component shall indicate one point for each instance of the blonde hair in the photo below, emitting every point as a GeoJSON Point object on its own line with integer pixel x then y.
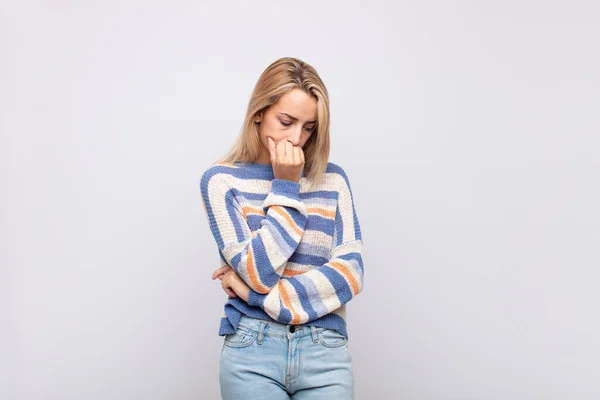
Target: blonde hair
{"type": "Point", "coordinates": [277, 79]}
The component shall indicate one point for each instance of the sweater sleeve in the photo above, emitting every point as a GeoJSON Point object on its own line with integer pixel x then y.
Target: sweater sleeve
{"type": "Point", "coordinates": [259, 257]}
{"type": "Point", "coordinates": [312, 294]}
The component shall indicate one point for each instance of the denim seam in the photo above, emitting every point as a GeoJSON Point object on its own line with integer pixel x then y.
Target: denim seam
{"type": "Point", "coordinates": [299, 356]}
{"type": "Point", "coordinates": [260, 331]}
{"type": "Point", "coordinates": [252, 335]}
{"type": "Point", "coordinates": [336, 344]}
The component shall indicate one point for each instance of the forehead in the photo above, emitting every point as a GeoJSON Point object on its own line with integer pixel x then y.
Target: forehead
{"type": "Point", "coordinates": [298, 104]}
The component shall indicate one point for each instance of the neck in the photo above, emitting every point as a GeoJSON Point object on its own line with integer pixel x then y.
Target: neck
{"type": "Point", "coordinates": [263, 158]}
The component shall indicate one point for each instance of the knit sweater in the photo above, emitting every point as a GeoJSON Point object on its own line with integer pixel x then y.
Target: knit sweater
{"type": "Point", "coordinates": [299, 250]}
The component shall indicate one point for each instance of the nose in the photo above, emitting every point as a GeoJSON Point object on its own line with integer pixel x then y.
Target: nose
{"type": "Point", "coordinates": [295, 136]}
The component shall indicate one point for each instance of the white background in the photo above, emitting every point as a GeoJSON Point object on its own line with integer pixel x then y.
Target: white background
{"type": "Point", "coordinates": [470, 132]}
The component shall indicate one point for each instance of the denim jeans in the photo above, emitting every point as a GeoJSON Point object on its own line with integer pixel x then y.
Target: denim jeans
{"type": "Point", "coordinates": [266, 360]}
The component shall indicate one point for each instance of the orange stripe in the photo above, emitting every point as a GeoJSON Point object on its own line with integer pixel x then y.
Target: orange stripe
{"type": "Point", "coordinates": [289, 219]}
{"type": "Point", "coordinates": [252, 210]}
{"type": "Point", "coordinates": [321, 211]}
{"type": "Point", "coordinates": [287, 303]}
{"type": "Point", "coordinates": [290, 272]}
{"type": "Point", "coordinates": [344, 270]}
{"type": "Point", "coordinates": [253, 273]}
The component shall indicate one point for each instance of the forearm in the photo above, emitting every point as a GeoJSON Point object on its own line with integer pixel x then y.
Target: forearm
{"type": "Point", "coordinates": [308, 296]}
{"type": "Point", "coordinates": [258, 257]}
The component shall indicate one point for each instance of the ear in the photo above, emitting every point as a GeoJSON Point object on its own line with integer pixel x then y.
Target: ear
{"type": "Point", "coordinates": [258, 117]}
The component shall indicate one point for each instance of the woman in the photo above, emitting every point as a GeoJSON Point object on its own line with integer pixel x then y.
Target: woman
{"type": "Point", "coordinates": [290, 245]}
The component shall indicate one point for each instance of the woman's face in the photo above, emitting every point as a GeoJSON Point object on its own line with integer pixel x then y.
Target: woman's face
{"type": "Point", "coordinates": [292, 118]}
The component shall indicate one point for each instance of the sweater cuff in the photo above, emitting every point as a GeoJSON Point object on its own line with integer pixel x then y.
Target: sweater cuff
{"type": "Point", "coordinates": [285, 193]}
{"type": "Point", "coordinates": [256, 299]}
{"type": "Point", "coordinates": [286, 188]}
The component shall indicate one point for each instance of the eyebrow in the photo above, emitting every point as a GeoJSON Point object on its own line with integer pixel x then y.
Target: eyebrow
{"type": "Point", "coordinates": [296, 119]}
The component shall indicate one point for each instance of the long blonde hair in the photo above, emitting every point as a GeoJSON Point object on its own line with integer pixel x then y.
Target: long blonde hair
{"type": "Point", "coordinates": [277, 79]}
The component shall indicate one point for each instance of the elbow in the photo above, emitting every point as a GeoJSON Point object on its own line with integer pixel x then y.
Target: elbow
{"type": "Point", "coordinates": [360, 288]}
{"type": "Point", "coordinates": [359, 275]}
{"type": "Point", "coordinates": [357, 287]}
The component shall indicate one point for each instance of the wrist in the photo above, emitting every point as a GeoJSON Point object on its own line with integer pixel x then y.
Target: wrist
{"type": "Point", "coordinates": [244, 292]}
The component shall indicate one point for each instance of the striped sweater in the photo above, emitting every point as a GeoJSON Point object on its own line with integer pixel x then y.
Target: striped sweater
{"type": "Point", "coordinates": [299, 251]}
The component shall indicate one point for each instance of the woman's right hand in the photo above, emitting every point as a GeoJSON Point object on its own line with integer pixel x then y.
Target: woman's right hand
{"type": "Point", "coordinates": [287, 160]}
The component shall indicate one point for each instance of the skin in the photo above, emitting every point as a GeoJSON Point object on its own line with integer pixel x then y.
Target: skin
{"type": "Point", "coordinates": [282, 138]}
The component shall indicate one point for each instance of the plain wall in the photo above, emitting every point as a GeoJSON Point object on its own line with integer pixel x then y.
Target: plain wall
{"type": "Point", "coordinates": [470, 132]}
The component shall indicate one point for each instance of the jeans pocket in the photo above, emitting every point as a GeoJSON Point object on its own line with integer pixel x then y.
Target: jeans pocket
{"type": "Point", "coordinates": [242, 337]}
{"type": "Point", "coordinates": [331, 338]}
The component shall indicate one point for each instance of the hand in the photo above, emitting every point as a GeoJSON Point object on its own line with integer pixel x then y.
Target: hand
{"type": "Point", "coordinates": [219, 272]}
{"type": "Point", "coordinates": [231, 282]}
{"type": "Point", "coordinates": [287, 160]}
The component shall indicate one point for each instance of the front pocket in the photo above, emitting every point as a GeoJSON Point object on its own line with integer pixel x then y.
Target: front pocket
{"type": "Point", "coordinates": [331, 338]}
{"type": "Point", "coordinates": [241, 338]}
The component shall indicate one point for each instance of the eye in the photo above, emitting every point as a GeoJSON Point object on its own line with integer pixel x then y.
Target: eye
{"type": "Point", "coordinates": [311, 129]}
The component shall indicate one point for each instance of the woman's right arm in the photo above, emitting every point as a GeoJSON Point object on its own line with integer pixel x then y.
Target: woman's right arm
{"type": "Point", "coordinates": [259, 258]}
{"type": "Point", "coordinates": [307, 296]}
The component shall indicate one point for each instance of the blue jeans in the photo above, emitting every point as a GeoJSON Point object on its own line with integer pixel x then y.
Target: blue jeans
{"type": "Point", "coordinates": [266, 360]}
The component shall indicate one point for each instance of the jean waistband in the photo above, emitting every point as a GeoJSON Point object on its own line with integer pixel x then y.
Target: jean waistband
{"type": "Point", "coordinates": [271, 328]}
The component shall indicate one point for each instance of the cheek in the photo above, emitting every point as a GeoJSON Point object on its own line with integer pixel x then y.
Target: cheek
{"type": "Point", "coordinates": [267, 128]}
{"type": "Point", "coordinates": [273, 132]}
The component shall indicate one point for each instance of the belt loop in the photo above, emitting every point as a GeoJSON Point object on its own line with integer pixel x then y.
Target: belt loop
{"type": "Point", "coordinates": [260, 331]}
{"type": "Point", "coordinates": [314, 333]}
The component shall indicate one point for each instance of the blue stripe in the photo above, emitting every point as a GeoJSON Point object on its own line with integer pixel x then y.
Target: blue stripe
{"type": "Point", "coordinates": [285, 316]}
{"type": "Point", "coordinates": [339, 282]}
{"type": "Point", "coordinates": [339, 170]}
{"type": "Point", "coordinates": [321, 194]}
{"type": "Point", "coordinates": [263, 263]}
{"type": "Point", "coordinates": [319, 223]}
{"type": "Point", "coordinates": [298, 218]}
{"type": "Point", "coordinates": [307, 259]}
{"type": "Point", "coordinates": [269, 220]}
{"type": "Point", "coordinates": [309, 295]}
{"type": "Point", "coordinates": [354, 256]}
{"type": "Point", "coordinates": [339, 228]}
{"type": "Point", "coordinates": [206, 176]}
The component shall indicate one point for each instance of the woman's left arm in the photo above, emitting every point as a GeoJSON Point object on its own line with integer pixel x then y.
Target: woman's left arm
{"type": "Point", "coordinates": [310, 295]}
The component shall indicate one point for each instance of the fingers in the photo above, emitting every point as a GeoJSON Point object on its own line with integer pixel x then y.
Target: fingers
{"type": "Point", "coordinates": [286, 152]}
{"type": "Point", "coordinates": [280, 152]}
{"type": "Point", "coordinates": [283, 150]}
{"type": "Point", "coordinates": [272, 149]}
{"type": "Point", "coordinates": [287, 159]}
{"type": "Point", "coordinates": [225, 282]}
{"type": "Point", "coordinates": [220, 271]}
